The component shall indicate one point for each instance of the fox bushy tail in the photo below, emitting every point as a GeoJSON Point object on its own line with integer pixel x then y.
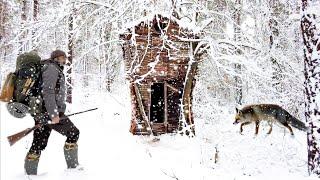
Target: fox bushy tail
{"type": "Point", "coordinates": [296, 123]}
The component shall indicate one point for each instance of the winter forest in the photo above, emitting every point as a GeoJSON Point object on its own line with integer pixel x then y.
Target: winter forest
{"type": "Point", "coordinates": [235, 53]}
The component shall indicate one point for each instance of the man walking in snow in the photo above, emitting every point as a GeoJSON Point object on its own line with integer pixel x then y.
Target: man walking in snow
{"type": "Point", "coordinates": [54, 93]}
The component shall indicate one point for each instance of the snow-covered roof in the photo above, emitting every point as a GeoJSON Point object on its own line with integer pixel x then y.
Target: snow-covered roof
{"type": "Point", "coordinates": [182, 23]}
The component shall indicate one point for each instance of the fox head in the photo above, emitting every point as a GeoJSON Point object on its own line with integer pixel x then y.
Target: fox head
{"type": "Point", "coordinates": [239, 117]}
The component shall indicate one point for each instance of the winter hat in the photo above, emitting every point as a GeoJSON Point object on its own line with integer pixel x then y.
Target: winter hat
{"type": "Point", "coordinates": [57, 53]}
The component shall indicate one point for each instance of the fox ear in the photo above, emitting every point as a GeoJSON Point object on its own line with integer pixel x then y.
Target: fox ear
{"type": "Point", "coordinates": [238, 111]}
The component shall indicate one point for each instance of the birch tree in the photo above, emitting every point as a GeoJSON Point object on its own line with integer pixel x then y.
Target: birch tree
{"type": "Point", "coordinates": [237, 39]}
{"type": "Point", "coordinates": [311, 39]}
{"type": "Point", "coordinates": [70, 53]}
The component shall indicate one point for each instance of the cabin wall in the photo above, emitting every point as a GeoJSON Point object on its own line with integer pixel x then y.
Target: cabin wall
{"type": "Point", "coordinates": [155, 62]}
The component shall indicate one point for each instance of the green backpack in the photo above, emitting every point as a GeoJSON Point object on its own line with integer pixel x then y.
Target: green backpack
{"type": "Point", "coordinates": [27, 86]}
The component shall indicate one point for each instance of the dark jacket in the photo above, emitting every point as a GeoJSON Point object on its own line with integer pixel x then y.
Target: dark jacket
{"type": "Point", "coordinates": [53, 88]}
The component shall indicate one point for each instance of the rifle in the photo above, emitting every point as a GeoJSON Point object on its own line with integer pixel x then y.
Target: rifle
{"type": "Point", "coordinates": [16, 137]}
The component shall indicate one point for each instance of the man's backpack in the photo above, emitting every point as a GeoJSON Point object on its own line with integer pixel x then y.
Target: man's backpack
{"type": "Point", "coordinates": [8, 88]}
{"type": "Point", "coordinates": [26, 82]}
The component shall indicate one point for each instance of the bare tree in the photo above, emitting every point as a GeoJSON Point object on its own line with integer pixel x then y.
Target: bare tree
{"type": "Point", "coordinates": [237, 39]}
{"type": "Point", "coordinates": [274, 34]}
{"type": "Point", "coordinates": [35, 9]}
{"type": "Point", "coordinates": [70, 54]}
{"type": "Point", "coordinates": [311, 39]}
{"type": "Point", "coordinates": [2, 18]}
{"type": "Point", "coordinates": [3, 32]}
{"type": "Point", "coordinates": [23, 24]}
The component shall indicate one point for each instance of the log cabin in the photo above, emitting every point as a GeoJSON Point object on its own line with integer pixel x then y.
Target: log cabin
{"type": "Point", "coordinates": [161, 65]}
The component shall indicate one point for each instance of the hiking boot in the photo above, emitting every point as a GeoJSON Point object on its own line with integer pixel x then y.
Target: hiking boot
{"type": "Point", "coordinates": [31, 163]}
{"type": "Point", "coordinates": [71, 154]}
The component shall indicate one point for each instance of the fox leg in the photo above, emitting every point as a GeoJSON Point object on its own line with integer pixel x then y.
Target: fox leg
{"type": "Point", "coordinates": [270, 130]}
{"type": "Point", "coordinates": [243, 124]}
{"type": "Point", "coordinates": [287, 126]}
{"type": "Point", "coordinates": [257, 126]}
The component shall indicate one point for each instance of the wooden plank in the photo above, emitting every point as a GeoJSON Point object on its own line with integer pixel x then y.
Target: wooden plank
{"type": "Point", "coordinates": [165, 105]}
{"type": "Point", "coordinates": [134, 122]}
{"type": "Point", "coordinates": [172, 88]}
{"type": "Point", "coordinates": [142, 111]}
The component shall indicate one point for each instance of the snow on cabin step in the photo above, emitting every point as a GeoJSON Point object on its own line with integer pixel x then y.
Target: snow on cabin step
{"type": "Point", "coordinates": [161, 128]}
{"type": "Point", "coordinates": [157, 128]}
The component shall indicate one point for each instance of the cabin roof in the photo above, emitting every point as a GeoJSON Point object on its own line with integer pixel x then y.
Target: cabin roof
{"type": "Point", "coordinates": [183, 23]}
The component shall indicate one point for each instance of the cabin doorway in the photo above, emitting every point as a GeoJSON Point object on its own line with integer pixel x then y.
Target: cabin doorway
{"type": "Point", "coordinates": [165, 102]}
{"type": "Point", "coordinates": [157, 107]}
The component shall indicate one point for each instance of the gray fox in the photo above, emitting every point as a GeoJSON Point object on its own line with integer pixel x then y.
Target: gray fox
{"type": "Point", "coordinates": [267, 112]}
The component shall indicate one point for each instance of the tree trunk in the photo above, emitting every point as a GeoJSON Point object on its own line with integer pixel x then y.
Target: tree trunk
{"type": "Point", "coordinates": [3, 16]}
{"type": "Point", "coordinates": [70, 56]}
{"type": "Point", "coordinates": [23, 22]}
{"type": "Point", "coordinates": [186, 120]}
{"type": "Point", "coordinates": [237, 39]}
{"type": "Point", "coordinates": [24, 10]}
{"type": "Point", "coordinates": [274, 33]}
{"type": "Point", "coordinates": [311, 41]}
{"type": "Point", "coordinates": [35, 19]}
{"type": "Point", "coordinates": [35, 9]}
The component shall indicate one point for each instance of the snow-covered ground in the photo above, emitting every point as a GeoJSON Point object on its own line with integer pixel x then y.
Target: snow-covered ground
{"type": "Point", "coordinates": [108, 151]}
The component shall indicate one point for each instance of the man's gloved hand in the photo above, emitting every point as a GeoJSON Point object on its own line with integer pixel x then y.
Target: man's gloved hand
{"type": "Point", "coordinates": [55, 120]}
